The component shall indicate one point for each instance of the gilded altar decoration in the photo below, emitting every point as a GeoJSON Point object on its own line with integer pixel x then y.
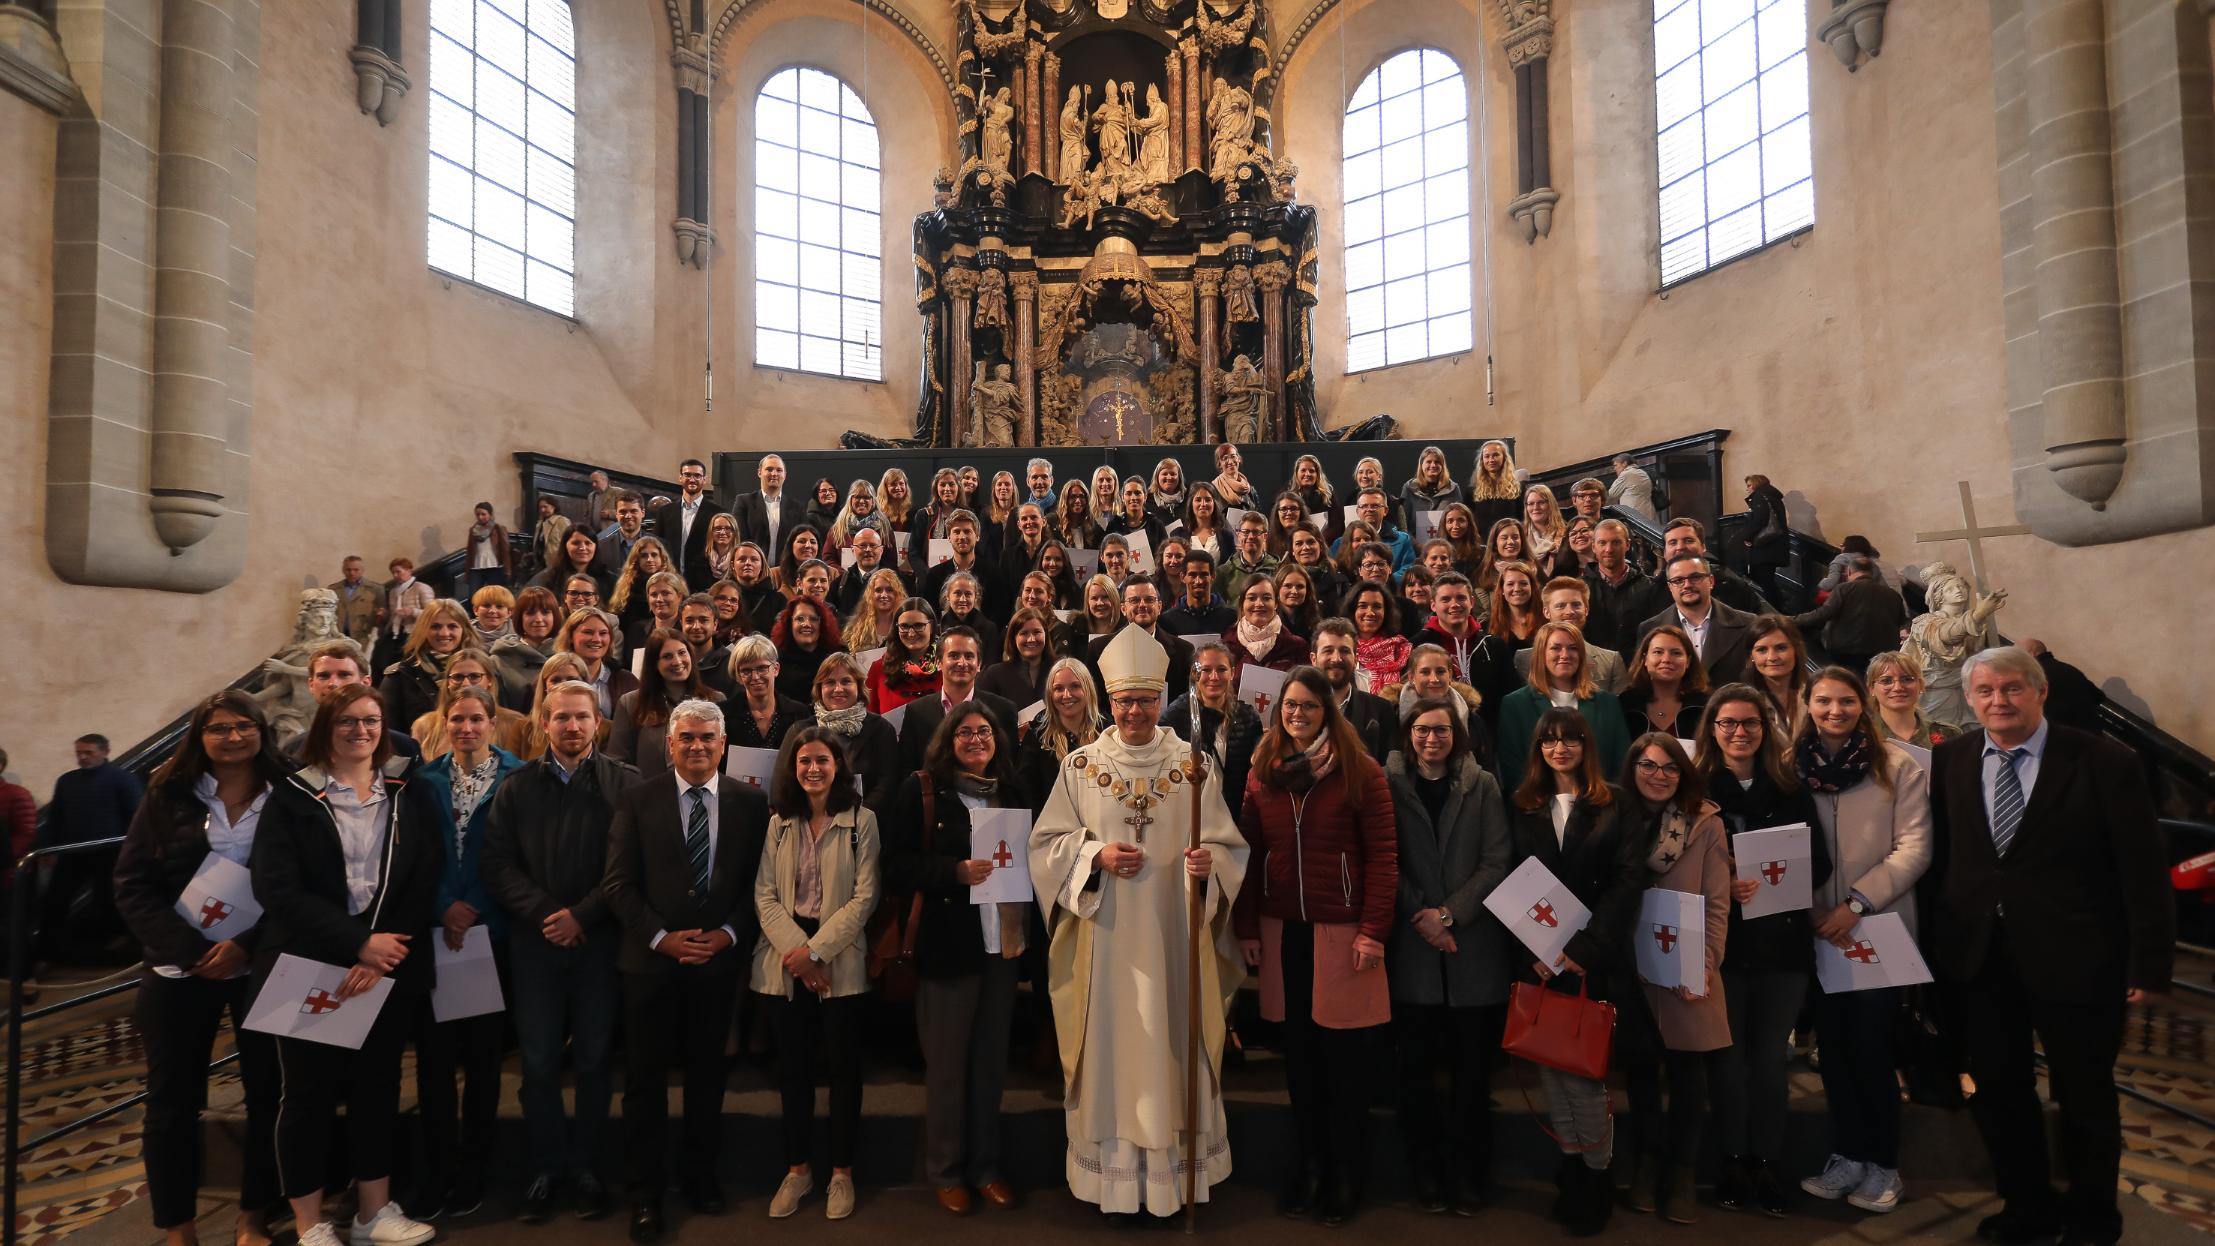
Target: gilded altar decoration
{"type": "Point", "coordinates": [1118, 160]}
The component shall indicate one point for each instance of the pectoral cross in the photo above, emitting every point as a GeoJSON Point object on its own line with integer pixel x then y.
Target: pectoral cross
{"type": "Point", "coordinates": [1138, 822]}
{"type": "Point", "coordinates": [1774, 871]}
{"type": "Point", "coordinates": [1002, 858]}
{"type": "Point", "coordinates": [1666, 936]}
{"type": "Point", "coordinates": [213, 912]}
{"type": "Point", "coordinates": [1862, 953]}
{"type": "Point", "coordinates": [1970, 532]}
{"type": "Point", "coordinates": [320, 1001]}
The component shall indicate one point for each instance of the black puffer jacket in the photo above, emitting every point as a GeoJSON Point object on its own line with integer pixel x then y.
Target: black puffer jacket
{"type": "Point", "coordinates": [1239, 742]}
{"type": "Point", "coordinates": [1780, 940]}
{"type": "Point", "coordinates": [1602, 860]}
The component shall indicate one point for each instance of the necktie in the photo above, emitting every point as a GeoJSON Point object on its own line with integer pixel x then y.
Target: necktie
{"type": "Point", "coordinates": [696, 838]}
{"type": "Point", "coordinates": [2007, 801]}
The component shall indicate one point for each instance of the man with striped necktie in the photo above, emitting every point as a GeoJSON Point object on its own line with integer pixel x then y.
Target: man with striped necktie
{"type": "Point", "coordinates": [682, 856]}
{"type": "Point", "coordinates": [2053, 917]}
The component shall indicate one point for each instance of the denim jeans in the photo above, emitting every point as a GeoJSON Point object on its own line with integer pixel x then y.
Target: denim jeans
{"type": "Point", "coordinates": [565, 998]}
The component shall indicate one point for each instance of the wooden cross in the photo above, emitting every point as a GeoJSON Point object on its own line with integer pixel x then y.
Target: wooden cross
{"type": "Point", "coordinates": [1974, 535]}
{"type": "Point", "coordinates": [984, 83]}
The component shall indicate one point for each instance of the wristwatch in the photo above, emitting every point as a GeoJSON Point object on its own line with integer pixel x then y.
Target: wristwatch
{"type": "Point", "coordinates": [1857, 906]}
{"type": "Point", "coordinates": [1445, 916]}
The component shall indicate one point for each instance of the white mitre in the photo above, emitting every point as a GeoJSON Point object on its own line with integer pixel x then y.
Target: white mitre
{"type": "Point", "coordinates": [1134, 662]}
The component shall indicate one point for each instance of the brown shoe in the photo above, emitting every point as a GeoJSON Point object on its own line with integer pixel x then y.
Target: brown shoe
{"type": "Point", "coordinates": [998, 1193]}
{"type": "Point", "coordinates": [954, 1198]}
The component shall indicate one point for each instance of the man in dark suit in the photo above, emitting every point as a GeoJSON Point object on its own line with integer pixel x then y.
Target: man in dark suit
{"type": "Point", "coordinates": [960, 658]}
{"type": "Point", "coordinates": [1724, 635]}
{"type": "Point", "coordinates": [683, 524]}
{"type": "Point", "coordinates": [616, 542]}
{"type": "Point", "coordinates": [682, 855]}
{"type": "Point", "coordinates": [767, 516]}
{"type": "Point", "coordinates": [1142, 610]}
{"type": "Point", "coordinates": [1374, 719]}
{"type": "Point", "coordinates": [2053, 914]}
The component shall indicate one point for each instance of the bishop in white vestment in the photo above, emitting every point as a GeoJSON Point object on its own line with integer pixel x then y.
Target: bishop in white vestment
{"type": "Point", "coordinates": [1108, 859]}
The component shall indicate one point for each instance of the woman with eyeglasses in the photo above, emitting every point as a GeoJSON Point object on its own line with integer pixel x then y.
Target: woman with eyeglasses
{"type": "Point", "coordinates": [1872, 806]}
{"type": "Point", "coordinates": [1447, 958]}
{"type": "Point", "coordinates": [1674, 1034]}
{"type": "Point", "coordinates": [1318, 818]}
{"type": "Point", "coordinates": [761, 715]}
{"type": "Point", "coordinates": [1896, 680]}
{"type": "Point", "coordinates": [968, 956]}
{"type": "Point", "coordinates": [1572, 819]}
{"type": "Point", "coordinates": [470, 668]}
{"type": "Point", "coordinates": [1229, 728]}
{"type": "Point", "coordinates": [205, 801]}
{"type": "Point", "coordinates": [814, 892]}
{"type": "Point", "coordinates": [1746, 761]}
{"type": "Point", "coordinates": [346, 865]}
{"type": "Point", "coordinates": [909, 667]}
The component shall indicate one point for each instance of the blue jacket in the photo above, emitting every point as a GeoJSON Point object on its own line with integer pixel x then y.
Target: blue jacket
{"type": "Point", "coordinates": [460, 880]}
{"type": "Point", "coordinates": [1399, 542]}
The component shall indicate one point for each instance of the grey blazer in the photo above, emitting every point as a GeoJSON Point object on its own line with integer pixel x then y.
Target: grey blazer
{"type": "Point", "coordinates": [1729, 640]}
{"type": "Point", "coordinates": [1456, 863]}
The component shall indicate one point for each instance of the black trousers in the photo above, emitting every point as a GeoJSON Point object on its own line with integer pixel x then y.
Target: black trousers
{"type": "Point", "coordinates": [812, 1029]}
{"type": "Point", "coordinates": [458, 1128]}
{"type": "Point", "coordinates": [178, 1019]}
{"type": "Point", "coordinates": [1671, 1134]}
{"type": "Point", "coordinates": [675, 1018]}
{"type": "Point", "coordinates": [314, 1078]}
{"type": "Point", "coordinates": [73, 874]}
{"type": "Point", "coordinates": [1326, 1071]}
{"type": "Point", "coordinates": [1460, 1042]}
{"type": "Point", "coordinates": [2081, 1041]}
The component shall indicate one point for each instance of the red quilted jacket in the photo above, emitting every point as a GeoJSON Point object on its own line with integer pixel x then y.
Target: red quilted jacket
{"type": "Point", "coordinates": [1316, 858]}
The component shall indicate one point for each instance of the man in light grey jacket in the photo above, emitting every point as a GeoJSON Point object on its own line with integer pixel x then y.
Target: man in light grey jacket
{"type": "Point", "coordinates": [1633, 489]}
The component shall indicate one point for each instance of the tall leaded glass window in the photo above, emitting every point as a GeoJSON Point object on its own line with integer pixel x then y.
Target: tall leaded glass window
{"type": "Point", "coordinates": [1730, 96]}
{"type": "Point", "coordinates": [503, 194]}
{"type": "Point", "coordinates": [1408, 282]}
{"type": "Point", "coordinates": [818, 235]}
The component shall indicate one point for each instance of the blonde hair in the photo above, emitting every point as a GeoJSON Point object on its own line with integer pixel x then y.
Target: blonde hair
{"type": "Point", "coordinates": [629, 575]}
{"type": "Point", "coordinates": [860, 630]}
{"type": "Point", "coordinates": [492, 595]}
{"type": "Point", "coordinates": [1483, 488]}
{"type": "Point", "coordinates": [896, 516]}
{"type": "Point", "coordinates": [1086, 732]}
{"type": "Point", "coordinates": [1898, 660]}
{"type": "Point", "coordinates": [1542, 679]}
{"type": "Point", "coordinates": [419, 639]}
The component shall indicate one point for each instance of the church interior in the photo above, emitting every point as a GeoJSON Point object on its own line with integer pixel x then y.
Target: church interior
{"type": "Point", "coordinates": [286, 282]}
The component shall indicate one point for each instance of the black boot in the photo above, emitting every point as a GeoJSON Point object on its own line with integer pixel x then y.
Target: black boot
{"type": "Point", "coordinates": [1299, 1198]}
{"type": "Point", "coordinates": [1596, 1208]}
{"type": "Point", "coordinates": [1734, 1189]}
{"type": "Point", "coordinates": [1569, 1186]}
{"type": "Point", "coordinates": [1338, 1197]}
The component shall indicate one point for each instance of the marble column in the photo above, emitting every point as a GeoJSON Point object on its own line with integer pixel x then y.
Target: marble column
{"type": "Point", "coordinates": [1207, 289]}
{"type": "Point", "coordinates": [1050, 119]}
{"type": "Point", "coordinates": [2073, 234]}
{"type": "Point", "coordinates": [961, 290]}
{"type": "Point", "coordinates": [1024, 287]}
{"type": "Point", "coordinates": [1034, 110]}
{"type": "Point", "coordinates": [1273, 277]}
{"type": "Point", "coordinates": [1173, 65]}
{"type": "Point", "coordinates": [1195, 107]}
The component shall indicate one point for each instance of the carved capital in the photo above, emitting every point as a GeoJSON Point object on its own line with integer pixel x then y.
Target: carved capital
{"type": "Point", "coordinates": [1273, 277]}
{"type": "Point", "coordinates": [379, 82]}
{"type": "Point", "coordinates": [695, 242]}
{"type": "Point", "coordinates": [693, 68]}
{"type": "Point", "coordinates": [1534, 213]}
{"type": "Point", "coordinates": [960, 282]}
{"type": "Point", "coordinates": [1531, 41]}
{"type": "Point", "coordinates": [1207, 282]}
{"type": "Point", "coordinates": [1855, 28]}
{"type": "Point", "coordinates": [1024, 286]}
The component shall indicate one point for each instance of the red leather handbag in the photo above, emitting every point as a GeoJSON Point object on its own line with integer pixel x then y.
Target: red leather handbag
{"type": "Point", "coordinates": [1572, 1033]}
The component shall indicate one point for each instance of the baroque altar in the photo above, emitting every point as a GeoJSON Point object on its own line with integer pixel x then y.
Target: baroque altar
{"type": "Point", "coordinates": [1118, 255]}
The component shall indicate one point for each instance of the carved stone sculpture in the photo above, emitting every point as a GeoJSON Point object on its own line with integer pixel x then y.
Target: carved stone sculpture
{"type": "Point", "coordinates": [1073, 130]}
{"type": "Point", "coordinates": [1113, 120]}
{"type": "Point", "coordinates": [285, 695]}
{"type": "Point", "coordinates": [1242, 400]}
{"type": "Point", "coordinates": [1153, 139]}
{"type": "Point", "coordinates": [998, 405]}
{"type": "Point", "coordinates": [997, 154]}
{"type": "Point", "coordinates": [1958, 626]}
{"type": "Point", "coordinates": [1239, 306]}
{"type": "Point", "coordinates": [992, 299]}
{"type": "Point", "coordinates": [1230, 119]}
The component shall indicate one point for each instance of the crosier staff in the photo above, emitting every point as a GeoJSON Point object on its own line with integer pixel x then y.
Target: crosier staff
{"type": "Point", "coordinates": [1196, 896]}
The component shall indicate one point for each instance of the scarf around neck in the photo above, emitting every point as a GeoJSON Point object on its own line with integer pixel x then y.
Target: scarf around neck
{"type": "Point", "coordinates": [1823, 772]}
{"type": "Point", "coordinates": [976, 785]}
{"type": "Point", "coordinates": [1258, 641]}
{"type": "Point", "coordinates": [1670, 835]}
{"type": "Point", "coordinates": [1301, 769]}
{"type": "Point", "coordinates": [846, 722]}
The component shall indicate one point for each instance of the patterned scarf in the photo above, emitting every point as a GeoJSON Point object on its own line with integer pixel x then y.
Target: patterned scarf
{"type": "Point", "coordinates": [846, 722]}
{"type": "Point", "coordinates": [1301, 769]}
{"type": "Point", "coordinates": [913, 677]}
{"type": "Point", "coordinates": [1823, 772]}
{"type": "Point", "coordinates": [1260, 640]}
{"type": "Point", "coordinates": [1670, 835]}
{"type": "Point", "coordinates": [1384, 657]}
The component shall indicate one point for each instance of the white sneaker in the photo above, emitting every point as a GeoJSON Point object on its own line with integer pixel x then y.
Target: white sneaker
{"type": "Point", "coordinates": [1879, 1191]}
{"type": "Point", "coordinates": [1840, 1177]}
{"type": "Point", "coordinates": [323, 1234]}
{"type": "Point", "coordinates": [391, 1227]}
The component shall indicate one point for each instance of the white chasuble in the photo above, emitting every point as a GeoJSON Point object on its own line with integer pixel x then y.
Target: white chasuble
{"type": "Point", "coordinates": [1117, 968]}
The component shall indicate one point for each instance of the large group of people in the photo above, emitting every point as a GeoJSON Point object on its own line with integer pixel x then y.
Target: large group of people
{"type": "Point", "coordinates": [555, 759]}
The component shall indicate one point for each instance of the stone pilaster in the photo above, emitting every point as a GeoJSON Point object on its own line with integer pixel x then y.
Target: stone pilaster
{"type": "Point", "coordinates": [379, 80]}
{"type": "Point", "coordinates": [1024, 287]}
{"type": "Point", "coordinates": [1207, 290]}
{"type": "Point", "coordinates": [1273, 278]}
{"type": "Point", "coordinates": [1530, 45]}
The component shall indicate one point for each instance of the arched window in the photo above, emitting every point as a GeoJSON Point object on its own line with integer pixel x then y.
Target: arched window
{"type": "Point", "coordinates": [818, 242]}
{"type": "Point", "coordinates": [1407, 212]}
{"type": "Point", "coordinates": [1730, 102]}
{"type": "Point", "coordinates": [503, 201]}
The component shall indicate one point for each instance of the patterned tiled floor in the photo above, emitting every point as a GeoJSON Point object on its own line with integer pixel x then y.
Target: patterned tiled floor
{"type": "Point", "coordinates": [83, 1061]}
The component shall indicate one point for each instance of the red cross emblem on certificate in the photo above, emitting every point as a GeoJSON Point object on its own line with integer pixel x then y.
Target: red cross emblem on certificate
{"type": "Point", "coordinates": [320, 1001]}
{"type": "Point", "coordinates": [1543, 913]}
{"type": "Point", "coordinates": [1666, 936]}
{"type": "Point", "coordinates": [1774, 871]}
{"type": "Point", "coordinates": [1261, 705]}
{"type": "Point", "coordinates": [213, 912]}
{"type": "Point", "coordinates": [1003, 858]}
{"type": "Point", "coordinates": [1863, 952]}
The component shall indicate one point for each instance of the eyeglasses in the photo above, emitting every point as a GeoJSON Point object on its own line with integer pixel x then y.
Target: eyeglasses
{"type": "Point", "coordinates": [1686, 581]}
{"type": "Point", "coordinates": [230, 731]}
{"type": "Point", "coordinates": [754, 670]}
{"type": "Point", "coordinates": [914, 627]}
{"type": "Point", "coordinates": [1732, 726]}
{"type": "Point", "coordinates": [1302, 708]}
{"type": "Point", "coordinates": [1560, 741]}
{"type": "Point", "coordinates": [973, 733]}
{"type": "Point", "coordinates": [362, 726]}
{"type": "Point", "coordinates": [1648, 766]}
{"type": "Point", "coordinates": [1127, 704]}
{"type": "Point", "coordinates": [1430, 733]}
